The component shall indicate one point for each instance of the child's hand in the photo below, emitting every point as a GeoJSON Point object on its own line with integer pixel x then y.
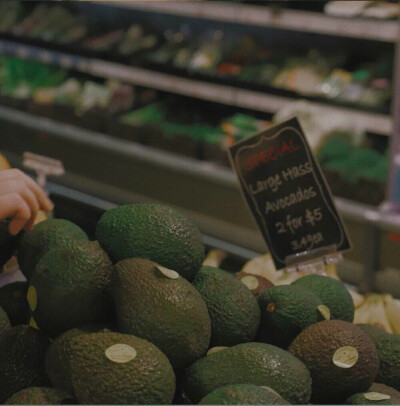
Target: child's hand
{"type": "Point", "coordinates": [21, 198]}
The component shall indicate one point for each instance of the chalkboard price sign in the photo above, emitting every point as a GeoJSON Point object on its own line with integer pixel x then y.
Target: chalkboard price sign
{"type": "Point", "coordinates": [286, 193]}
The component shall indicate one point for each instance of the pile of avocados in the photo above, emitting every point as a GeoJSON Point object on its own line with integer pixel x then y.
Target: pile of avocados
{"type": "Point", "coordinates": [135, 318]}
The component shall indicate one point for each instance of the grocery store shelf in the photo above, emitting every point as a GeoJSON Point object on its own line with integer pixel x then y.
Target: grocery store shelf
{"type": "Point", "coordinates": [62, 59]}
{"type": "Point", "coordinates": [356, 211]}
{"type": "Point", "coordinates": [164, 159]}
{"type": "Point", "coordinates": [373, 122]}
{"type": "Point", "coordinates": [269, 17]}
{"type": "Point", "coordinates": [390, 222]}
{"type": "Point", "coordinates": [215, 10]}
{"type": "Point", "coordinates": [77, 196]}
{"type": "Point", "coordinates": [165, 82]}
{"type": "Point", "coordinates": [168, 161]}
{"type": "Point", "coordinates": [242, 98]}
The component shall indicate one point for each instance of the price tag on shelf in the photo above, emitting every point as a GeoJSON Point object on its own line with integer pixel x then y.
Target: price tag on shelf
{"type": "Point", "coordinates": [43, 166]}
{"type": "Point", "coordinates": [288, 196]}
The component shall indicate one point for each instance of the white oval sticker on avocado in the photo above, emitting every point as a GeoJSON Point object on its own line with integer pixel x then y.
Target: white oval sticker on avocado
{"type": "Point", "coordinates": [376, 396]}
{"type": "Point", "coordinates": [31, 297]}
{"type": "Point", "coordinates": [120, 353]}
{"type": "Point", "coordinates": [345, 357]}
{"type": "Point", "coordinates": [250, 281]}
{"type": "Point", "coordinates": [216, 349]}
{"type": "Point", "coordinates": [324, 310]}
{"type": "Point", "coordinates": [169, 273]}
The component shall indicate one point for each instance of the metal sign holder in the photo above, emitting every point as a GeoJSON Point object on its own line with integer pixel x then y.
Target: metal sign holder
{"type": "Point", "coordinates": [43, 166]}
{"type": "Point", "coordinates": [313, 261]}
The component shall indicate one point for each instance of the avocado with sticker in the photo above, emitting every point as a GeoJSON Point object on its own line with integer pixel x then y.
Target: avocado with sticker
{"type": "Point", "coordinates": [249, 363]}
{"type": "Point", "coordinates": [378, 393]}
{"type": "Point", "coordinates": [333, 294]}
{"type": "Point", "coordinates": [341, 358]}
{"type": "Point", "coordinates": [286, 310]}
{"type": "Point", "coordinates": [234, 312]}
{"type": "Point", "coordinates": [156, 232]}
{"type": "Point", "coordinates": [388, 348]}
{"type": "Point", "coordinates": [114, 368]}
{"type": "Point", "coordinates": [156, 303]}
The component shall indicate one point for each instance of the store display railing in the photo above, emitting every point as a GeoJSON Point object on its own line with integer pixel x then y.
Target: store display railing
{"type": "Point", "coordinates": [264, 16]}
{"type": "Point", "coordinates": [241, 98]}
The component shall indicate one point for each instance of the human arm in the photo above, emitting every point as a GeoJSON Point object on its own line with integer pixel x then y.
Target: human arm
{"type": "Point", "coordinates": [20, 199]}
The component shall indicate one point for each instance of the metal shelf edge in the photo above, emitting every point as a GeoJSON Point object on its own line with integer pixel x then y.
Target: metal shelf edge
{"type": "Point", "coordinates": [378, 123]}
{"type": "Point", "coordinates": [296, 20]}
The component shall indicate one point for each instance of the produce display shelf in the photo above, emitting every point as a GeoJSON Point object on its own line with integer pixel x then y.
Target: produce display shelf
{"type": "Point", "coordinates": [169, 161]}
{"type": "Point", "coordinates": [62, 59]}
{"type": "Point", "coordinates": [296, 20]}
{"type": "Point", "coordinates": [159, 158]}
{"type": "Point", "coordinates": [242, 98]}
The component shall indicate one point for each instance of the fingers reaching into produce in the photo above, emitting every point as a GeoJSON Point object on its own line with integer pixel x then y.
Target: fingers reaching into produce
{"type": "Point", "coordinates": [21, 198]}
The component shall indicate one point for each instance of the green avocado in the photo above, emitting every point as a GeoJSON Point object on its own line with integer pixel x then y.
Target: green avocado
{"type": "Point", "coordinates": [155, 232]}
{"type": "Point", "coordinates": [8, 243]}
{"type": "Point", "coordinates": [234, 311]}
{"type": "Point", "coordinates": [13, 301]}
{"type": "Point", "coordinates": [341, 358]}
{"type": "Point", "coordinates": [46, 234]}
{"type": "Point", "coordinates": [22, 360]}
{"type": "Point", "coordinates": [372, 331]}
{"type": "Point", "coordinates": [57, 360]}
{"type": "Point", "coordinates": [333, 294]}
{"type": "Point", "coordinates": [113, 368]}
{"type": "Point", "coordinates": [4, 321]}
{"type": "Point", "coordinates": [40, 396]}
{"type": "Point", "coordinates": [70, 287]}
{"type": "Point", "coordinates": [286, 310]}
{"type": "Point", "coordinates": [250, 363]}
{"type": "Point", "coordinates": [243, 394]}
{"type": "Point", "coordinates": [372, 398]}
{"type": "Point", "coordinates": [378, 394]}
{"type": "Point", "coordinates": [57, 366]}
{"type": "Point", "coordinates": [157, 304]}
{"type": "Point", "coordinates": [388, 348]}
